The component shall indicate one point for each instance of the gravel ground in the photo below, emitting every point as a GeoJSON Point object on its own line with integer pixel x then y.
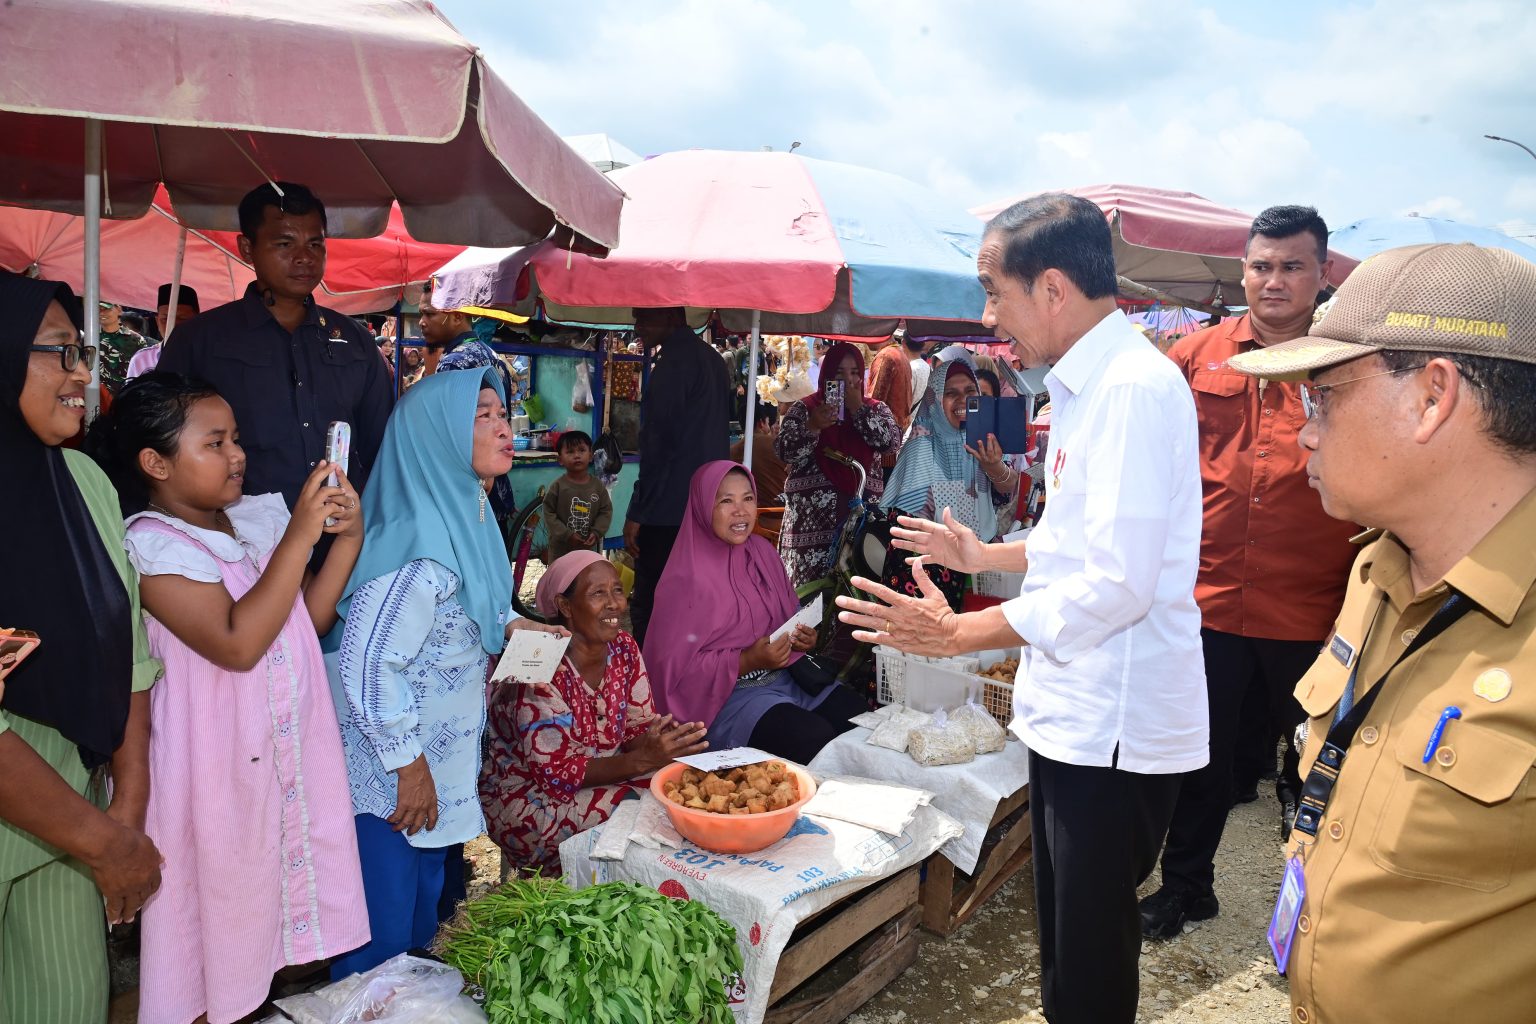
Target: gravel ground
{"type": "Point", "coordinates": [988, 972]}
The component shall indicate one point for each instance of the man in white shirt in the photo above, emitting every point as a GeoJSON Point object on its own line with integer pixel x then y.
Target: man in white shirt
{"type": "Point", "coordinates": [920, 369]}
{"type": "Point", "coordinates": [1110, 694]}
{"type": "Point", "coordinates": [146, 359]}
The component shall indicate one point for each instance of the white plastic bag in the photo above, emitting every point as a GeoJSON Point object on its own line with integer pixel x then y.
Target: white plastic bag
{"type": "Point", "coordinates": [895, 725]}
{"type": "Point", "coordinates": [581, 394]}
{"type": "Point", "coordinates": [402, 990]}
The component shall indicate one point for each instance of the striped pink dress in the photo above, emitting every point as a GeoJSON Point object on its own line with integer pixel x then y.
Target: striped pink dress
{"type": "Point", "coordinates": [249, 803]}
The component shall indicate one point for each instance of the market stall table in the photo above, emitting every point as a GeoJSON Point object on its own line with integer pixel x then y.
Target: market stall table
{"type": "Point", "coordinates": [826, 888]}
{"type": "Point", "coordinates": [989, 796]}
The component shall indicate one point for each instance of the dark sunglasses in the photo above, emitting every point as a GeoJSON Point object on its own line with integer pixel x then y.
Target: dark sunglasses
{"type": "Point", "coordinates": [71, 354]}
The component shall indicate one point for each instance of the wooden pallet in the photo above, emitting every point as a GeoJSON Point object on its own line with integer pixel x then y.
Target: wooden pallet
{"type": "Point", "coordinates": [881, 921]}
{"type": "Point", "coordinates": [950, 897]}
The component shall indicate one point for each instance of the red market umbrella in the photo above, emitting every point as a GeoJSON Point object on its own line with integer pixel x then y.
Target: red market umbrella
{"type": "Point", "coordinates": [1179, 243]}
{"type": "Point", "coordinates": [369, 102]}
{"type": "Point", "coordinates": [137, 256]}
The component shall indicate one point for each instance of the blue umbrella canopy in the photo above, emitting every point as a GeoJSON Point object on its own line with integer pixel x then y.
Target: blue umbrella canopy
{"type": "Point", "coordinates": [1374, 234]}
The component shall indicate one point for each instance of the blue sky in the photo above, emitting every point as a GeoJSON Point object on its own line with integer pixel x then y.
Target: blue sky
{"type": "Point", "coordinates": [1362, 109]}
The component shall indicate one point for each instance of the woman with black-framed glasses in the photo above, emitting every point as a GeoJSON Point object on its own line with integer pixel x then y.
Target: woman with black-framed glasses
{"type": "Point", "coordinates": [74, 713]}
{"type": "Point", "coordinates": [71, 354]}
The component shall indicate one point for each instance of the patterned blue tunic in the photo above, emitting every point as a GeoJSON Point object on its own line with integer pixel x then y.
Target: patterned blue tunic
{"type": "Point", "coordinates": [409, 678]}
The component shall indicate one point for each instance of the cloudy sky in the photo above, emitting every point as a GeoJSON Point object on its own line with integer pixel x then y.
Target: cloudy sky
{"type": "Point", "coordinates": [1362, 108]}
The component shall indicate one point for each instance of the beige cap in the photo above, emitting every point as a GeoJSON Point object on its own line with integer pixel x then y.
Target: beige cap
{"type": "Point", "coordinates": [1462, 299]}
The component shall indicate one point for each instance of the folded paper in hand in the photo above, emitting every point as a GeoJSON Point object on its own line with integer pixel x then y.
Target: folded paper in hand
{"type": "Point", "coordinates": [531, 657]}
{"type": "Point", "coordinates": [810, 616]}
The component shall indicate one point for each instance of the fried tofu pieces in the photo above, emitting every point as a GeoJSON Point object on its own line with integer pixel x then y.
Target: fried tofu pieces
{"type": "Point", "coordinates": [749, 789]}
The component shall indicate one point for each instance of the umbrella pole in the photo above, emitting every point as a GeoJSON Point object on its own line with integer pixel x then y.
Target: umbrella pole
{"type": "Point", "coordinates": [750, 383]}
{"type": "Point", "coordinates": [181, 255]}
{"type": "Point", "coordinates": [93, 261]}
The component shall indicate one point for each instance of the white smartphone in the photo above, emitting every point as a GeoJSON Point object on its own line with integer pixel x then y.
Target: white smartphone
{"type": "Point", "coordinates": [338, 448]}
{"type": "Point", "coordinates": [836, 391]}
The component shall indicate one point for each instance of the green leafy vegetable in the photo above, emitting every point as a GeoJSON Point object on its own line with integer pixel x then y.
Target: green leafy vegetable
{"type": "Point", "coordinates": [616, 953]}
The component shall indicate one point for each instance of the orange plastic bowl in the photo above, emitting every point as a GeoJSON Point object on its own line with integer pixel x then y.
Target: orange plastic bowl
{"type": "Point", "coordinates": [731, 833]}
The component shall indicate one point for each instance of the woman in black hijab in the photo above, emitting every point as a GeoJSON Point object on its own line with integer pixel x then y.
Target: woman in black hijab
{"type": "Point", "coordinates": [77, 710]}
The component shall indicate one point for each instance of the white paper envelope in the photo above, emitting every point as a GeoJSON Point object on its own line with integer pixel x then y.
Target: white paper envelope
{"type": "Point", "coordinates": [810, 616]}
{"type": "Point", "coordinates": [531, 656]}
{"type": "Point", "coordinates": [735, 757]}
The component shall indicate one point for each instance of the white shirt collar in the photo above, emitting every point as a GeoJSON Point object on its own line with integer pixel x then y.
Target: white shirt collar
{"type": "Point", "coordinates": [1073, 370]}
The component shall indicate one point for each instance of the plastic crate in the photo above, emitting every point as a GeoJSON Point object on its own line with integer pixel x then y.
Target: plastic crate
{"type": "Point", "coordinates": [890, 675]}
{"type": "Point", "coordinates": [891, 668]}
{"type": "Point", "coordinates": [935, 687]}
{"type": "Point", "coordinates": [996, 697]}
{"type": "Point", "coordinates": [997, 584]}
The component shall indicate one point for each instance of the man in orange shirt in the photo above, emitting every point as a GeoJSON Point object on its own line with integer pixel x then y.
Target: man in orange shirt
{"type": "Point", "coordinates": [1273, 564]}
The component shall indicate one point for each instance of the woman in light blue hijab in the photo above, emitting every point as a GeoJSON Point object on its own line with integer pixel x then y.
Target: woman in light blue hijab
{"type": "Point", "coordinates": [937, 470]}
{"type": "Point", "coordinates": [426, 607]}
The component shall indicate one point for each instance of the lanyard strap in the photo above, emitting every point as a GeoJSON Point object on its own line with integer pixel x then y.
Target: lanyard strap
{"type": "Point", "coordinates": [1318, 788]}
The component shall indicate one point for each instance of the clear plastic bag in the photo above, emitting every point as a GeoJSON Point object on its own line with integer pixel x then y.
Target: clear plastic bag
{"type": "Point", "coordinates": [942, 741]}
{"type": "Point", "coordinates": [581, 394]}
{"type": "Point", "coordinates": [404, 990]}
{"type": "Point", "coordinates": [979, 724]}
{"type": "Point", "coordinates": [896, 723]}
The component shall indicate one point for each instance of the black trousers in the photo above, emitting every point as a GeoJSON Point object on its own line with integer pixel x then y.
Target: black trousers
{"type": "Point", "coordinates": [655, 544]}
{"type": "Point", "coordinates": [797, 734]}
{"type": "Point", "coordinates": [1096, 836]}
{"type": "Point", "coordinates": [1233, 664]}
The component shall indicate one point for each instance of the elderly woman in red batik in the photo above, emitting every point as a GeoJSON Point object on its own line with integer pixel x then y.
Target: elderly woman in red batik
{"type": "Point", "coordinates": [563, 754]}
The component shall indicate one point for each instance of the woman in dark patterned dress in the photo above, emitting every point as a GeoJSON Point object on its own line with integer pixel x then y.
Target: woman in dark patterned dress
{"type": "Point", "coordinates": [818, 489]}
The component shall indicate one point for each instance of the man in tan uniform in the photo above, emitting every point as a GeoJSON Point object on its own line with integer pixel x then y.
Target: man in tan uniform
{"type": "Point", "coordinates": [1417, 831]}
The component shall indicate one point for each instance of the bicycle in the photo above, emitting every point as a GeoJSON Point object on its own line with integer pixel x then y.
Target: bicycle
{"type": "Point", "coordinates": [527, 540]}
{"type": "Point", "coordinates": [860, 550]}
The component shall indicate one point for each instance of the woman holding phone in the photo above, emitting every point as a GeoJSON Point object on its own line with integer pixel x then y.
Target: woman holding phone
{"type": "Point", "coordinates": [76, 711]}
{"type": "Point", "coordinates": [839, 419]}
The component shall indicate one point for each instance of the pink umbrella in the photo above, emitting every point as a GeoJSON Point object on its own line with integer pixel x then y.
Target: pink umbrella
{"type": "Point", "coordinates": [362, 275]}
{"type": "Point", "coordinates": [366, 101]}
{"type": "Point", "coordinates": [1178, 243]}
{"type": "Point", "coordinates": [369, 102]}
{"type": "Point", "coordinates": [774, 242]}
{"type": "Point", "coordinates": [812, 247]}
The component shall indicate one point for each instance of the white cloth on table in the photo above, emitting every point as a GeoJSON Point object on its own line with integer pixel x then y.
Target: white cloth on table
{"type": "Point", "coordinates": [765, 894]}
{"type": "Point", "coordinates": [1114, 672]}
{"type": "Point", "coordinates": [967, 792]}
{"type": "Point", "coordinates": [878, 805]}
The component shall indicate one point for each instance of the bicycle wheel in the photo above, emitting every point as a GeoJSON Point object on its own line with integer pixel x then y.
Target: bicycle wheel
{"type": "Point", "coordinates": [527, 541]}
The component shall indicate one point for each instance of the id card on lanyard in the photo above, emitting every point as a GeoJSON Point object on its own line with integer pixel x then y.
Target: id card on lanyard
{"type": "Point", "coordinates": [1282, 924]}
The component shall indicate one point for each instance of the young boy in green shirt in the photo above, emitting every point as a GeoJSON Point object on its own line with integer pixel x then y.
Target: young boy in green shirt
{"type": "Point", "coordinates": [577, 509]}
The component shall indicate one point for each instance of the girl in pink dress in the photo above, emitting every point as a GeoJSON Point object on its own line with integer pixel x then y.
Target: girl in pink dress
{"type": "Point", "coordinates": [249, 803]}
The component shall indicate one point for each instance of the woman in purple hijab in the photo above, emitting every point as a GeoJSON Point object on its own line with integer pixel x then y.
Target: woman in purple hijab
{"type": "Point", "coordinates": [723, 593]}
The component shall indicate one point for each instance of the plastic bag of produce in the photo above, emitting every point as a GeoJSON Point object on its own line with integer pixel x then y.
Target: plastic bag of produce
{"type": "Point", "coordinates": [942, 741]}
{"type": "Point", "coordinates": [896, 724]}
{"type": "Point", "coordinates": [979, 724]}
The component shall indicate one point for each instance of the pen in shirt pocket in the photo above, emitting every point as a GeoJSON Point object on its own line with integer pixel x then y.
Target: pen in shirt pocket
{"type": "Point", "coordinates": [1451, 711]}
